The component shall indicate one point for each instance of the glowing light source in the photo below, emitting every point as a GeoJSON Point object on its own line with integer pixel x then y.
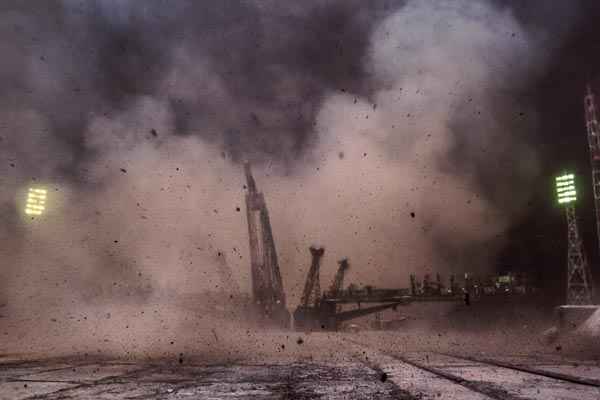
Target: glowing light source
{"type": "Point", "coordinates": [565, 189]}
{"type": "Point", "coordinates": [36, 201]}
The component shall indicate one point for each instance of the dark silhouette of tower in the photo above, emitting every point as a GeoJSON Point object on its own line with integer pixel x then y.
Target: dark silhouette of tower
{"type": "Point", "coordinates": [267, 287]}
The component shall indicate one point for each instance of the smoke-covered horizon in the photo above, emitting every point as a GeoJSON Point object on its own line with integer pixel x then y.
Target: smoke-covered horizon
{"type": "Point", "coordinates": [394, 133]}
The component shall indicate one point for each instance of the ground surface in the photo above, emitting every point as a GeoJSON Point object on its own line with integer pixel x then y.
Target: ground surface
{"type": "Point", "coordinates": [370, 365]}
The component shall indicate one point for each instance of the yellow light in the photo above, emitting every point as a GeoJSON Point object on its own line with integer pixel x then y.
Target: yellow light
{"type": "Point", "coordinates": [565, 189]}
{"type": "Point", "coordinates": [569, 193]}
{"type": "Point", "coordinates": [36, 201]}
{"type": "Point", "coordinates": [565, 177]}
{"type": "Point", "coordinates": [567, 200]}
{"type": "Point", "coordinates": [563, 183]}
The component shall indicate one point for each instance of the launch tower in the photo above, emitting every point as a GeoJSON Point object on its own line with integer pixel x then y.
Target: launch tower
{"type": "Point", "coordinates": [267, 287]}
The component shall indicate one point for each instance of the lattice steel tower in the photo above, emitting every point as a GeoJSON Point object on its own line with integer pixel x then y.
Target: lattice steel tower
{"type": "Point", "coordinates": [267, 286]}
{"type": "Point", "coordinates": [593, 134]}
{"type": "Point", "coordinates": [578, 277]}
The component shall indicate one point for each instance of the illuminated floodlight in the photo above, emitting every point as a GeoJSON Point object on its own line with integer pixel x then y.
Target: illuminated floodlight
{"type": "Point", "coordinates": [36, 201]}
{"type": "Point", "coordinates": [565, 189]}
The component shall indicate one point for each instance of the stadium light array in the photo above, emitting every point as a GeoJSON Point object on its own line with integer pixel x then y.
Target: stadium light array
{"type": "Point", "coordinates": [36, 201]}
{"type": "Point", "coordinates": [565, 189]}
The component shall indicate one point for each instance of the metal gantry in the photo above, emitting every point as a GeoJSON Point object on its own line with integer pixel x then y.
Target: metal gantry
{"type": "Point", "coordinates": [267, 286]}
{"type": "Point", "coordinates": [338, 280]}
{"type": "Point", "coordinates": [593, 135]}
{"type": "Point", "coordinates": [311, 295]}
{"type": "Point", "coordinates": [578, 285]}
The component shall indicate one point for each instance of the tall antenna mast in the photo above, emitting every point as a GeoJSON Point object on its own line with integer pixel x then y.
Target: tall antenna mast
{"type": "Point", "coordinates": [593, 134]}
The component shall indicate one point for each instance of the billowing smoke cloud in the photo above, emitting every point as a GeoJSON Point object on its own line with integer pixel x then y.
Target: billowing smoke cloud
{"type": "Point", "coordinates": [375, 131]}
{"type": "Point", "coordinates": [397, 177]}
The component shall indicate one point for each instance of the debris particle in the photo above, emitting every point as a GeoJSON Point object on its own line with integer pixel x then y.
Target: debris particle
{"type": "Point", "coordinates": [123, 170]}
{"type": "Point", "coordinates": [383, 377]}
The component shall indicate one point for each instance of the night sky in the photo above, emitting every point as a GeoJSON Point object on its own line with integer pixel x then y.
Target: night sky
{"type": "Point", "coordinates": [539, 240]}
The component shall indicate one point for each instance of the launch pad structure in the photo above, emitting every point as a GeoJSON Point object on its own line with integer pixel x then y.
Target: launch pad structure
{"type": "Point", "coordinates": [325, 310]}
{"type": "Point", "coordinates": [267, 287]}
{"type": "Point", "coordinates": [316, 310]}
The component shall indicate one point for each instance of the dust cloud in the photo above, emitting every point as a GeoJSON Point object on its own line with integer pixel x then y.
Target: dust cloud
{"type": "Point", "coordinates": [392, 179]}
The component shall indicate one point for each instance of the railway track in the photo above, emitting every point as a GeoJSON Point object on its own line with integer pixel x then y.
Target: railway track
{"type": "Point", "coordinates": [434, 374]}
{"type": "Point", "coordinates": [536, 371]}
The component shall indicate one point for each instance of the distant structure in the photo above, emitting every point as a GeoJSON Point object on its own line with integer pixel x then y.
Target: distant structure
{"type": "Point", "coordinates": [267, 287]}
{"type": "Point", "coordinates": [311, 295]}
{"type": "Point", "coordinates": [338, 280]}
{"type": "Point", "coordinates": [578, 277]}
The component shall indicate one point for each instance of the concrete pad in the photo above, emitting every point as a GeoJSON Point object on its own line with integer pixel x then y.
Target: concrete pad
{"type": "Point", "coordinates": [572, 316]}
{"type": "Point", "coordinates": [523, 384]}
{"type": "Point", "coordinates": [583, 371]}
{"type": "Point", "coordinates": [7, 372]}
{"type": "Point", "coordinates": [420, 383]}
{"type": "Point", "coordinates": [81, 374]}
{"type": "Point", "coordinates": [22, 390]}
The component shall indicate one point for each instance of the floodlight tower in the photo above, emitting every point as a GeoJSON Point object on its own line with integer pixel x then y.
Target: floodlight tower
{"type": "Point", "coordinates": [578, 278]}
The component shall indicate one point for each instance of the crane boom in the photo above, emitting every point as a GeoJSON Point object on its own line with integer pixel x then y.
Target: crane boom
{"type": "Point", "coordinates": [312, 287]}
{"type": "Point", "coordinates": [338, 280]}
